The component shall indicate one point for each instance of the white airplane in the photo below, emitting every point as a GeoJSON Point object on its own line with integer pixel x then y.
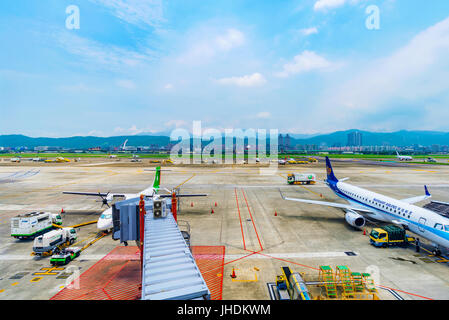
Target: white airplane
{"type": "Point", "coordinates": [365, 204]}
{"type": "Point", "coordinates": [105, 223]}
{"type": "Point", "coordinates": [403, 158]}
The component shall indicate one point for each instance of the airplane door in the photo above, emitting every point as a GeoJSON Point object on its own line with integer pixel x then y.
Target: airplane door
{"type": "Point", "coordinates": [421, 223]}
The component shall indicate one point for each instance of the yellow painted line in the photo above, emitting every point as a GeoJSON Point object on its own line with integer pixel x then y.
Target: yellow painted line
{"type": "Point", "coordinates": [186, 181]}
{"type": "Point", "coordinates": [252, 280]}
{"type": "Point", "coordinates": [14, 284]}
{"type": "Point", "coordinates": [425, 170]}
{"type": "Point", "coordinates": [37, 279]}
{"type": "Point", "coordinates": [2, 290]}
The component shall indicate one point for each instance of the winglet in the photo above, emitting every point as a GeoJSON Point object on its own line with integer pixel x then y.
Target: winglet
{"type": "Point", "coordinates": [427, 191]}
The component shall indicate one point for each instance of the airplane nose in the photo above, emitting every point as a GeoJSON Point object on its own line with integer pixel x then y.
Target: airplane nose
{"type": "Point", "coordinates": [104, 224]}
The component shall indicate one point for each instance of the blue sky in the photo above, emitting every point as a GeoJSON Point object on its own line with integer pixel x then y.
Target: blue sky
{"type": "Point", "coordinates": [152, 65]}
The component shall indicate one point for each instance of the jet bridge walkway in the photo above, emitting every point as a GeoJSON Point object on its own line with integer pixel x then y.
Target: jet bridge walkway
{"type": "Point", "coordinates": [169, 271]}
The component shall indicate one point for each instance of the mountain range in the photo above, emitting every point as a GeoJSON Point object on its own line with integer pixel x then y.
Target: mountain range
{"type": "Point", "coordinates": [399, 138]}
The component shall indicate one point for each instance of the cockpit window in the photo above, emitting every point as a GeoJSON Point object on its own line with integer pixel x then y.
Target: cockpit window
{"type": "Point", "coordinates": [446, 228]}
{"type": "Point", "coordinates": [438, 226]}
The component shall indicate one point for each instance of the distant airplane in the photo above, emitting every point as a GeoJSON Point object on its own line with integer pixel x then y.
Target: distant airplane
{"type": "Point", "coordinates": [403, 158]}
{"type": "Point", "coordinates": [105, 221]}
{"type": "Point", "coordinates": [364, 204]}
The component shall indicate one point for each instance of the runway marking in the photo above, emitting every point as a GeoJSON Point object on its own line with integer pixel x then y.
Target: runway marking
{"type": "Point", "coordinates": [186, 181]}
{"type": "Point", "coordinates": [240, 218]}
{"type": "Point", "coordinates": [293, 255]}
{"type": "Point", "coordinates": [36, 279]}
{"type": "Point", "coordinates": [2, 290]}
{"type": "Point", "coordinates": [48, 271]}
{"type": "Point", "coordinates": [14, 284]}
{"type": "Point", "coordinates": [252, 220]}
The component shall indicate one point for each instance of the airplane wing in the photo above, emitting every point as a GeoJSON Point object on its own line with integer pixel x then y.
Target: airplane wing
{"type": "Point", "coordinates": [96, 194]}
{"type": "Point", "coordinates": [328, 204]}
{"type": "Point", "coordinates": [182, 195]}
{"type": "Point", "coordinates": [418, 198]}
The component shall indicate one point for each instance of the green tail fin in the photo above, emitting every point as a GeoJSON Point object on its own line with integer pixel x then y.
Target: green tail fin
{"type": "Point", "coordinates": [157, 178]}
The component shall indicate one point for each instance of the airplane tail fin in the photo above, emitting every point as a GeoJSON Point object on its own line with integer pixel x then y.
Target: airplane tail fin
{"type": "Point", "coordinates": [330, 172]}
{"type": "Point", "coordinates": [157, 178]}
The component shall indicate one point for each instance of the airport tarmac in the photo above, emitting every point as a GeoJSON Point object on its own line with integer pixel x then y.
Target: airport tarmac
{"type": "Point", "coordinates": [257, 242]}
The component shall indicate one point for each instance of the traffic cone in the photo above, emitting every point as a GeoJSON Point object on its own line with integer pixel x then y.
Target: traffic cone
{"type": "Point", "coordinates": [233, 275]}
{"type": "Point", "coordinates": [191, 204]}
{"type": "Point", "coordinates": [321, 195]}
{"type": "Point", "coordinates": [212, 211]}
{"type": "Point", "coordinates": [275, 213]}
{"type": "Point", "coordinates": [62, 210]}
{"type": "Point", "coordinates": [215, 204]}
{"type": "Point", "coordinates": [364, 232]}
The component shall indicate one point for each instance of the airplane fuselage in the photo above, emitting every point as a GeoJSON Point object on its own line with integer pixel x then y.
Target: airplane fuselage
{"type": "Point", "coordinates": [105, 223]}
{"type": "Point", "coordinates": [422, 222]}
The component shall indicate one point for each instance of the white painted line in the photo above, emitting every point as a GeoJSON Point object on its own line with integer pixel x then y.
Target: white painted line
{"type": "Point", "coordinates": [303, 255]}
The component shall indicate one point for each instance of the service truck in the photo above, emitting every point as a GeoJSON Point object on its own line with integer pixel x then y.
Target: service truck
{"type": "Point", "coordinates": [390, 236]}
{"type": "Point", "coordinates": [33, 224]}
{"type": "Point", "coordinates": [48, 242]}
{"type": "Point", "coordinates": [301, 178]}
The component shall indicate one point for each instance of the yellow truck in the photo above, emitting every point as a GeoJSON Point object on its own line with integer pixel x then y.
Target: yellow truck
{"type": "Point", "coordinates": [390, 236]}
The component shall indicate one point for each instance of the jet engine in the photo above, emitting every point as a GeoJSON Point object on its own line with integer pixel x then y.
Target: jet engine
{"type": "Point", "coordinates": [354, 219]}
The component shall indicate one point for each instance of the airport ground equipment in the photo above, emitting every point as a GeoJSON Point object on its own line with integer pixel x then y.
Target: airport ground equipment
{"type": "Point", "coordinates": [390, 235]}
{"type": "Point", "coordinates": [293, 284]}
{"type": "Point", "coordinates": [169, 271]}
{"type": "Point", "coordinates": [31, 225]}
{"type": "Point", "coordinates": [344, 279]}
{"type": "Point", "coordinates": [65, 256]}
{"type": "Point", "coordinates": [326, 276]}
{"type": "Point", "coordinates": [48, 242]}
{"type": "Point", "coordinates": [301, 178]}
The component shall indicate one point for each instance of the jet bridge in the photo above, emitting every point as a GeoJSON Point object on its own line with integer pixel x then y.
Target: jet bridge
{"type": "Point", "coordinates": [169, 271]}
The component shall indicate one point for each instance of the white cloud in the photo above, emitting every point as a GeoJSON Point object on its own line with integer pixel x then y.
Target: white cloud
{"type": "Point", "coordinates": [108, 56]}
{"type": "Point", "coordinates": [255, 79]}
{"type": "Point", "coordinates": [322, 5]}
{"type": "Point", "coordinates": [133, 130]}
{"type": "Point", "coordinates": [175, 124]}
{"type": "Point", "coordinates": [126, 84]}
{"type": "Point", "coordinates": [413, 78]}
{"type": "Point", "coordinates": [304, 62]}
{"type": "Point", "coordinates": [309, 31]}
{"type": "Point", "coordinates": [233, 38]}
{"type": "Point", "coordinates": [137, 12]}
{"type": "Point", "coordinates": [263, 115]}
{"type": "Point", "coordinates": [201, 50]}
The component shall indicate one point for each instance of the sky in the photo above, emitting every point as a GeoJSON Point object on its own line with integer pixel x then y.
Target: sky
{"type": "Point", "coordinates": [146, 66]}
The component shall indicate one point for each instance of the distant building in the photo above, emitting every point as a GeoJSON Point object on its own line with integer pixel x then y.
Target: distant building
{"type": "Point", "coordinates": [287, 142]}
{"type": "Point", "coordinates": [354, 139]}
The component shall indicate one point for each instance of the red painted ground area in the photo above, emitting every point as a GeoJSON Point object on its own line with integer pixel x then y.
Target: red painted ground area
{"type": "Point", "coordinates": [117, 276]}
